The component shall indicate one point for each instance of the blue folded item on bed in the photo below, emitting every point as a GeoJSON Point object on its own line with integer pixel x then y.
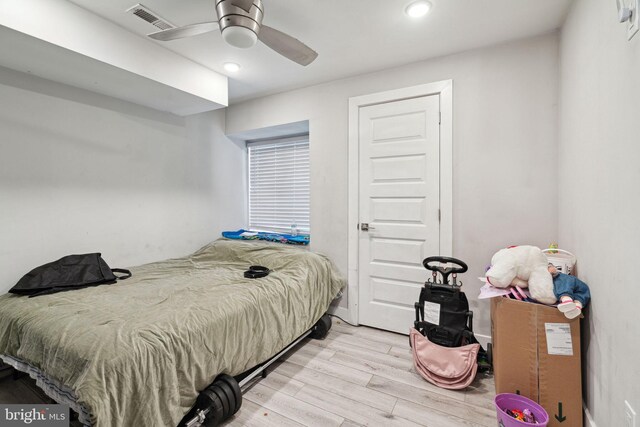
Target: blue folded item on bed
{"type": "Point", "coordinates": [300, 239]}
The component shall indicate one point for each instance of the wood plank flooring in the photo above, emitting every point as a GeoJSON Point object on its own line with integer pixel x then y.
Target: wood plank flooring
{"type": "Point", "coordinates": [356, 376]}
{"type": "Point", "coordinates": [360, 376]}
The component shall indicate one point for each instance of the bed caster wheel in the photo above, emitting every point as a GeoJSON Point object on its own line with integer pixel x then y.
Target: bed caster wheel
{"type": "Point", "coordinates": [321, 328]}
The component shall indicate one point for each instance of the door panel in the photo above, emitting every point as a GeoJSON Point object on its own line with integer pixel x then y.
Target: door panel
{"type": "Point", "coordinates": [402, 169]}
{"type": "Point", "coordinates": [394, 292]}
{"type": "Point", "coordinates": [399, 209]}
{"type": "Point", "coordinates": [399, 127]}
{"type": "Point", "coordinates": [399, 198]}
{"type": "Point", "coordinates": [406, 272]}
{"type": "Point", "coordinates": [400, 251]}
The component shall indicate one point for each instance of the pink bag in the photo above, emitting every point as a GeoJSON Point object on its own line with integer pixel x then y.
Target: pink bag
{"type": "Point", "coordinates": [447, 367]}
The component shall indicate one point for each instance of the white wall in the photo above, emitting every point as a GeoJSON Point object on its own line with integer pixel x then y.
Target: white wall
{"type": "Point", "coordinates": [81, 172]}
{"type": "Point", "coordinates": [598, 210]}
{"type": "Point", "coordinates": [505, 110]}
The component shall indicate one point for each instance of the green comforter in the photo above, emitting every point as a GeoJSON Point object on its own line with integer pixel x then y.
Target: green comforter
{"type": "Point", "coordinates": [136, 353]}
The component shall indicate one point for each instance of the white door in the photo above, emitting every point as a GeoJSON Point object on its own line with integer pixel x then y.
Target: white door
{"type": "Point", "coordinates": [399, 192]}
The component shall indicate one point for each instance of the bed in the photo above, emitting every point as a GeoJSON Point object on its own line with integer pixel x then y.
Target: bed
{"type": "Point", "coordinates": [139, 351]}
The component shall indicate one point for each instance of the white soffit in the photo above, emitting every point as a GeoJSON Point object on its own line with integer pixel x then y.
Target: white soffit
{"type": "Point", "coordinates": [352, 37]}
{"type": "Point", "coordinates": [60, 41]}
{"type": "Point", "coordinates": [29, 55]}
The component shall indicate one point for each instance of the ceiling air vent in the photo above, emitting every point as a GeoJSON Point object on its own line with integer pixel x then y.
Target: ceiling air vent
{"type": "Point", "coordinates": [146, 14]}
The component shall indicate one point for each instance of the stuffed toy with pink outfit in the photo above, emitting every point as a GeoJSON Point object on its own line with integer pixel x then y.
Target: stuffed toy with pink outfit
{"type": "Point", "coordinates": [572, 293]}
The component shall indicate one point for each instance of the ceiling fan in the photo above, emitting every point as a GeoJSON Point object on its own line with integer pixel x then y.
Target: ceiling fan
{"type": "Point", "coordinates": [240, 22]}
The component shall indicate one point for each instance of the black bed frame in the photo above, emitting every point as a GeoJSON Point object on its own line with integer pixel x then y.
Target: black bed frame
{"type": "Point", "coordinates": [223, 398]}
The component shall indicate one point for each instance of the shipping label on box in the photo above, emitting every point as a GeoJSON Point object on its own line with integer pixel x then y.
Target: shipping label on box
{"type": "Point", "coordinates": [559, 339]}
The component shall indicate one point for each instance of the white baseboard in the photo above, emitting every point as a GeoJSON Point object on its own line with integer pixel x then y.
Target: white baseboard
{"type": "Point", "coordinates": [587, 417]}
{"type": "Point", "coordinates": [483, 340]}
{"type": "Point", "coordinates": [342, 313]}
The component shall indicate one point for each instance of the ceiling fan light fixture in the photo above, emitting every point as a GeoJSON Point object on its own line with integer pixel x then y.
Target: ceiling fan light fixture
{"type": "Point", "coordinates": [240, 24]}
{"type": "Point", "coordinates": [232, 67]}
{"type": "Point", "coordinates": [418, 9]}
{"type": "Point", "coordinates": [241, 37]}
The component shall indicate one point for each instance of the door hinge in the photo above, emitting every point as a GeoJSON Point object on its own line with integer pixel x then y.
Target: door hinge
{"type": "Point", "coordinates": [439, 118]}
{"type": "Point", "coordinates": [439, 215]}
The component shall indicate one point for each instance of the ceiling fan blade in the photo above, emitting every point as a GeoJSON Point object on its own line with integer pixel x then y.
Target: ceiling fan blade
{"type": "Point", "coordinates": [287, 46]}
{"type": "Point", "coordinates": [186, 31]}
{"type": "Point", "coordinates": [243, 4]}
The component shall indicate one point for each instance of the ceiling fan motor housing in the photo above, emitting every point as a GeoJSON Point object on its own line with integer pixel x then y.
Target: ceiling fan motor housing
{"type": "Point", "coordinates": [239, 27]}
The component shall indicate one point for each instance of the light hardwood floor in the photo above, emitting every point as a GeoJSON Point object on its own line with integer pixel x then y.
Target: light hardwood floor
{"type": "Point", "coordinates": [360, 376]}
{"type": "Point", "coordinates": [356, 376]}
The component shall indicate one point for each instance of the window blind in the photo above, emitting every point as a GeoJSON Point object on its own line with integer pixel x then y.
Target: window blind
{"type": "Point", "coordinates": [279, 184]}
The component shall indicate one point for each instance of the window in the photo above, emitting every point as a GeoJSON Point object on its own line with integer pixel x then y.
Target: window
{"type": "Point", "coordinates": [279, 184]}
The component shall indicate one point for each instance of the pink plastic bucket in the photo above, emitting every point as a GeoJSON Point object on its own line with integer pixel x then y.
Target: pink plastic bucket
{"type": "Point", "coordinates": [506, 401]}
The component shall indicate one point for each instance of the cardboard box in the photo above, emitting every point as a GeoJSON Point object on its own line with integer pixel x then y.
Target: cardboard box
{"type": "Point", "coordinates": [536, 353]}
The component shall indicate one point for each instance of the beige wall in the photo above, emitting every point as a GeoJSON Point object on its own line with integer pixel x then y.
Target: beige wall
{"type": "Point", "coordinates": [81, 172]}
{"type": "Point", "coordinates": [505, 109]}
{"type": "Point", "coordinates": [599, 172]}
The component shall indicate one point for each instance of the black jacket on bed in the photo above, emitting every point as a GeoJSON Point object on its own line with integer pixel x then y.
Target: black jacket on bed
{"type": "Point", "coordinates": [68, 273]}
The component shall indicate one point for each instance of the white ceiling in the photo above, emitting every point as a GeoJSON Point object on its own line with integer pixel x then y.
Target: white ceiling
{"type": "Point", "coordinates": [351, 36]}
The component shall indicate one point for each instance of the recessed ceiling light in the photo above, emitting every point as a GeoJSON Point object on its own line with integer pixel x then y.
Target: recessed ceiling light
{"type": "Point", "coordinates": [418, 9]}
{"type": "Point", "coordinates": [231, 67]}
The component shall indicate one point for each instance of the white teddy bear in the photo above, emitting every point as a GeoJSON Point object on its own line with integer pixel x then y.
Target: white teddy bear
{"type": "Point", "coordinates": [524, 266]}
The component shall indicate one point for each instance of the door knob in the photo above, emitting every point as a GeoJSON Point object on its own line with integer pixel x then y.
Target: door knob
{"type": "Point", "coordinates": [366, 227]}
